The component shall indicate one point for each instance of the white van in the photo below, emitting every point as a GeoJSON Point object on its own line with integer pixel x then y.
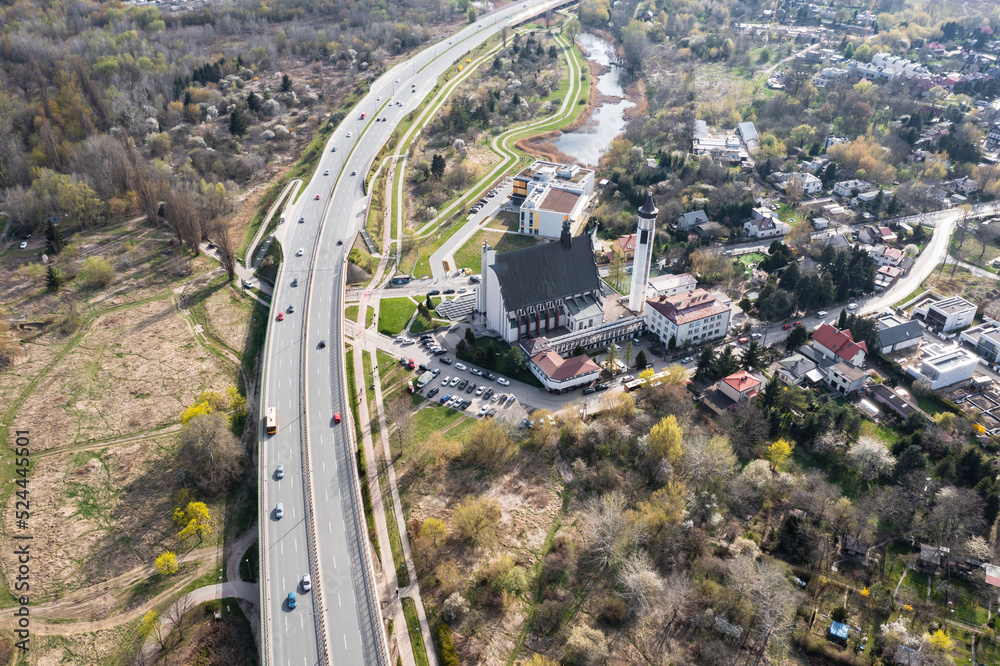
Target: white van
{"type": "Point", "coordinates": [822, 313]}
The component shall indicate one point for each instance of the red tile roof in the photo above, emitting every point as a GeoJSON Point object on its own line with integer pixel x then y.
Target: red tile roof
{"type": "Point", "coordinates": [840, 343]}
{"type": "Point", "coordinates": [688, 307]}
{"type": "Point", "coordinates": [742, 380]}
{"type": "Point", "coordinates": [626, 243]}
{"type": "Point", "coordinates": [558, 368]}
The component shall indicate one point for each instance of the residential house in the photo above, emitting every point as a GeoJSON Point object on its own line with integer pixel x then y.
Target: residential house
{"type": "Point", "coordinates": [845, 378]}
{"type": "Point", "coordinates": [963, 185]}
{"type": "Point", "coordinates": [896, 333]}
{"type": "Point", "coordinates": [933, 558]}
{"type": "Point", "coordinates": [886, 256]}
{"type": "Point", "coordinates": [795, 369]}
{"type": "Point", "coordinates": [872, 195]}
{"type": "Point", "coordinates": [855, 548]}
{"type": "Point", "coordinates": [625, 246]}
{"type": "Point", "coordinates": [993, 137]}
{"type": "Point", "coordinates": [885, 276]}
{"type": "Point", "coordinates": [691, 317]}
{"type": "Point", "coordinates": [806, 183]}
{"type": "Point", "coordinates": [740, 386]}
{"type": "Point", "coordinates": [851, 188]}
{"type": "Point", "coordinates": [767, 227]}
{"type": "Point", "coordinates": [838, 345]}
{"type": "Point", "coordinates": [688, 220]}
{"type": "Point", "coordinates": [874, 235]}
{"type": "Point", "coordinates": [948, 314]}
{"type": "Point", "coordinates": [833, 141]}
{"type": "Point", "coordinates": [985, 338]}
{"type": "Point", "coordinates": [895, 401]}
{"type": "Point", "coordinates": [944, 365]}
{"type": "Point", "coordinates": [820, 223]}
{"type": "Point", "coordinates": [670, 285]}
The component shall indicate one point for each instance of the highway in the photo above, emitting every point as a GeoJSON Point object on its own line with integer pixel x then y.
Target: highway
{"type": "Point", "coordinates": [322, 531]}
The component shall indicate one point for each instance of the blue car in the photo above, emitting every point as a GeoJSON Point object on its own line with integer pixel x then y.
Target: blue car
{"type": "Point", "coordinates": [291, 600]}
{"type": "Point", "coordinates": [445, 398]}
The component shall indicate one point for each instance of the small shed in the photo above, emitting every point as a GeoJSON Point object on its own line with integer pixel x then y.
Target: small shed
{"type": "Point", "coordinates": [838, 633]}
{"type": "Point", "coordinates": [855, 548]}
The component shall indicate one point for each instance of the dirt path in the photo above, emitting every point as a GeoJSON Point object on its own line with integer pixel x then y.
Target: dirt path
{"type": "Point", "coordinates": [103, 443]}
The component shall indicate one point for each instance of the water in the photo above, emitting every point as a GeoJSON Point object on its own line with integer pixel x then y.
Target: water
{"type": "Point", "coordinates": [607, 121]}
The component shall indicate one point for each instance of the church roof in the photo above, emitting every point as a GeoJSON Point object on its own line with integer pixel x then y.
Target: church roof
{"type": "Point", "coordinates": [547, 272]}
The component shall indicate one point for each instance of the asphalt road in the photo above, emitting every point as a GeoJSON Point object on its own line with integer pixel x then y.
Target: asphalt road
{"type": "Point", "coordinates": [329, 511]}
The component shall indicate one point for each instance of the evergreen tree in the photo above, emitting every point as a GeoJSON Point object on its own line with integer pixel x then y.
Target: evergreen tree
{"type": "Point", "coordinates": [790, 277]}
{"type": "Point", "coordinates": [830, 175]}
{"type": "Point", "coordinates": [640, 360]}
{"type": "Point", "coordinates": [470, 337]}
{"type": "Point", "coordinates": [53, 239]}
{"type": "Point", "coordinates": [727, 363]}
{"type": "Point", "coordinates": [769, 394]}
{"type": "Point", "coordinates": [254, 102]}
{"type": "Point", "coordinates": [437, 165]}
{"type": "Point", "coordinates": [796, 337]}
{"type": "Point", "coordinates": [237, 123]}
{"type": "Point", "coordinates": [842, 322]}
{"type": "Point", "coordinates": [53, 278]}
{"type": "Point", "coordinates": [430, 303]}
{"type": "Point", "coordinates": [286, 83]}
{"type": "Point", "coordinates": [752, 356]}
{"type": "Point", "coordinates": [706, 360]}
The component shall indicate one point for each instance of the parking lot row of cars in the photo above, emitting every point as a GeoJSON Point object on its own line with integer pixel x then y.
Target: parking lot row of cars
{"type": "Point", "coordinates": [478, 206]}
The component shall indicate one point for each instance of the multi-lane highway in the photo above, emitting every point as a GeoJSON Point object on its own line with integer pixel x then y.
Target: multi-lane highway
{"type": "Point", "coordinates": [322, 530]}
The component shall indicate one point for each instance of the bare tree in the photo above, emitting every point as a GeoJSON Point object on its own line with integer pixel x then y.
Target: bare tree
{"type": "Point", "coordinates": [488, 445]}
{"type": "Point", "coordinates": [184, 217]}
{"type": "Point", "coordinates": [608, 530]}
{"type": "Point", "coordinates": [399, 413]}
{"type": "Point", "coordinates": [148, 191]}
{"type": "Point", "coordinates": [223, 237]}
{"type": "Point", "coordinates": [211, 451]}
{"type": "Point", "coordinates": [641, 584]}
{"type": "Point", "coordinates": [176, 615]}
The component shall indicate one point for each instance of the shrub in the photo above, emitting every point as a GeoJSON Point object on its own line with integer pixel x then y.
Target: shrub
{"type": "Point", "coordinates": [455, 608]}
{"type": "Point", "coordinates": [839, 614]}
{"type": "Point", "coordinates": [614, 611]}
{"type": "Point", "coordinates": [449, 657]}
{"type": "Point", "coordinates": [550, 616]}
{"type": "Point", "coordinates": [96, 272]}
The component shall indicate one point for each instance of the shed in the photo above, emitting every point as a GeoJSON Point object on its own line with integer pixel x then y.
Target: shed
{"type": "Point", "coordinates": [838, 633]}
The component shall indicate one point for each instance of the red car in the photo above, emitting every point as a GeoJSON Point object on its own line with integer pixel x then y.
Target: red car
{"type": "Point", "coordinates": [798, 323]}
{"type": "Point", "coordinates": [317, 197]}
{"type": "Point", "coordinates": [743, 340]}
{"type": "Point", "coordinates": [411, 364]}
{"type": "Point", "coordinates": [336, 417]}
{"type": "Point", "coordinates": [786, 327]}
{"type": "Point", "coordinates": [281, 316]}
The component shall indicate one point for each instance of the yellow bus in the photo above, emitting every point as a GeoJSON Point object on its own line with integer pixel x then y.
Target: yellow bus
{"type": "Point", "coordinates": [272, 420]}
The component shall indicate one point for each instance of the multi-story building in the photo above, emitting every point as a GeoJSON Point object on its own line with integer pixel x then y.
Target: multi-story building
{"type": "Point", "coordinates": [947, 314]}
{"type": "Point", "coordinates": [851, 188]}
{"type": "Point", "coordinates": [845, 378]}
{"type": "Point", "coordinates": [688, 318]}
{"type": "Point", "coordinates": [944, 365]}
{"type": "Point", "coordinates": [670, 285]}
{"type": "Point", "coordinates": [549, 194]}
{"type": "Point", "coordinates": [558, 374]}
{"type": "Point", "coordinates": [839, 345]}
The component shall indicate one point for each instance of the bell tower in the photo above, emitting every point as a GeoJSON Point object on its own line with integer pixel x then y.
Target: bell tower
{"type": "Point", "coordinates": [643, 256]}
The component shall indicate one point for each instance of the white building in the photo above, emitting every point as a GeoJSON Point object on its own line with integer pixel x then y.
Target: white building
{"type": "Point", "coordinates": [688, 318]}
{"type": "Point", "coordinates": [886, 256]}
{"type": "Point", "coordinates": [556, 373]}
{"type": "Point", "coordinates": [806, 182]}
{"type": "Point", "coordinates": [549, 194]}
{"type": "Point", "coordinates": [845, 378]}
{"type": "Point", "coordinates": [767, 227]}
{"type": "Point", "coordinates": [945, 365]}
{"type": "Point", "coordinates": [851, 188]}
{"type": "Point", "coordinates": [740, 386]}
{"type": "Point", "coordinates": [643, 255]}
{"type": "Point", "coordinates": [553, 287]}
{"type": "Point", "coordinates": [670, 285]}
{"type": "Point", "coordinates": [748, 133]}
{"type": "Point", "coordinates": [839, 345]}
{"type": "Point", "coordinates": [948, 314]}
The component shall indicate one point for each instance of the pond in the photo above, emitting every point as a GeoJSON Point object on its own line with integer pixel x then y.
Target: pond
{"type": "Point", "coordinates": [607, 121]}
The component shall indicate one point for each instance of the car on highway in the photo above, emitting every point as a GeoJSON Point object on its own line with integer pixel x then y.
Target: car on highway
{"type": "Point", "coordinates": [336, 417]}
{"type": "Point", "coordinates": [348, 135]}
{"type": "Point", "coordinates": [743, 340]}
{"type": "Point", "coordinates": [432, 392]}
{"type": "Point", "coordinates": [378, 99]}
{"type": "Point", "coordinates": [354, 173]}
{"type": "Point", "coordinates": [852, 306]}
{"type": "Point", "coordinates": [384, 119]}
{"type": "Point", "coordinates": [306, 583]}
{"type": "Point", "coordinates": [461, 366]}
{"type": "Point", "coordinates": [279, 511]}
{"type": "Point", "coordinates": [334, 149]}
{"type": "Point", "coordinates": [281, 316]}
{"type": "Point", "coordinates": [295, 282]}
{"type": "Point", "coordinates": [317, 197]}
{"type": "Point", "coordinates": [322, 344]}
{"type": "Point", "coordinates": [299, 252]}
{"type": "Point", "coordinates": [291, 309]}
{"type": "Point", "coordinates": [397, 80]}
{"type": "Point", "coordinates": [302, 220]}
{"type": "Point", "coordinates": [291, 601]}
{"type": "Point", "coordinates": [503, 381]}
{"type": "Point", "coordinates": [280, 472]}
{"type": "Point", "coordinates": [686, 359]}
{"type": "Point", "coordinates": [340, 242]}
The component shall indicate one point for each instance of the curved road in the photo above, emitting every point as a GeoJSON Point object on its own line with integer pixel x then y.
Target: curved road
{"type": "Point", "coordinates": [322, 531]}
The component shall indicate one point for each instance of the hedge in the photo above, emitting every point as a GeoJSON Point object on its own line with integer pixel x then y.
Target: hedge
{"type": "Point", "coordinates": [449, 657]}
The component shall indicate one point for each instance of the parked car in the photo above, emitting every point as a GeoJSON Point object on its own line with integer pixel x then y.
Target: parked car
{"type": "Point", "coordinates": [461, 366]}
{"type": "Point", "coordinates": [490, 376]}
{"type": "Point", "coordinates": [444, 382]}
{"type": "Point", "coordinates": [433, 292]}
{"type": "Point", "coordinates": [432, 392]}
{"type": "Point", "coordinates": [743, 340]}
{"type": "Point", "coordinates": [589, 390]}
{"type": "Point", "coordinates": [445, 398]}
{"type": "Point", "coordinates": [446, 360]}
{"type": "Point", "coordinates": [852, 306]}
{"type": "Point", "coordinates": [449, 291]}
{"type": "Point", "coordinates": [462, 384]}
{"type": "Point", "coordinates": [510, 400]}
{"type": "Point", "coordinates": [686, 359]}
{"type": "Point", "coordinates": [503, 381]}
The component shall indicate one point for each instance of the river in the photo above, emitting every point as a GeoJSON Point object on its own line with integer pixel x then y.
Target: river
{"type": "Point", "coordinates": [607, 121]}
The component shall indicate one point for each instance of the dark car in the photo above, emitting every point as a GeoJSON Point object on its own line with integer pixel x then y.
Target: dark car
{"type": "Point", "coordinates": [423, 366]}
{"type": "Point", "coordinates": [589, 390]}
{"type": "Point", "coordinates": [462, 384]}
{"type": "Point", "coordinates": [490, 376]}
{"type": "Point", "coordinates": [438, 352]}
{"type": "Point", "coordinates": [602, 387]}
{"type": "Point", "coordinates": [426, 336]}
{"type": "Point", "coordinates": [471, 387]}
{"type": "Point", "coordinates": [433, 292]}
{"type": "Point", "coordinates": [432, 392]}
{"type": "Point", "coordinates": [449, 291]}
{"type": "Point", "coordinates": [403, 360]}
{"type": "Point", "coordinates": [322, 344]}
{"type": "Point", "coordinates": [489, 392]}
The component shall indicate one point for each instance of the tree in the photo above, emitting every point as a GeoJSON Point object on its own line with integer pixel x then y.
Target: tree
{"type": "Point", "coordinates": [726, 363]}
{"type": "Point", "coordinates": [211, 452]}
{"type": "Point", "coordinates": [96, 272]}
{"type": "Point", "coordinates": [438, 166]}
{"type": "Point", "coordinates": [434, 530]}
{"type": "Point", "coordinates": [640, 583]}
{"type": "Point", "coordinates": [707, 463]}
{"type": "Point", "coordinates": [586, 646]}
{"type": "Point", "coordinates": [53, 239]}
{"type": "Point", "coordinates": [150, 626]}
{"type": "Point", "coordinates": [476, 520]}
{"type": "Point", "coordinates": [254, 102]}
{"type": "Point", "coordinates": [752, 356]}
{"type": "Point", "coordinates": [53, 278]}
{"type": "Point", "coordinates": [640, 360]}
{"type": "Point", "coordinates": [842, 320]}
{"type": "Point", "coordinates": [665, 439]}
{"type": "Point", "coordinates": [195, 519]}
{"type": "Point", "coordinates": [166, 564]}
{"type": "Point", "coordinates": [796, 337]}
{"type": "Point", "coordinates": [226, 248]}
{"type": "Point", "coordinates": [400, 416]}
{"type": "Point", "coordinates": [286, 83]}
{"type": "Point", "coordinates": [870, 459]}
{"type": "Point", "coordinates": [472, 15]}
{"type": "Point", "coordinates": [706, 361]}
{"type": "Point", "coordinates": [627, 354]}
{"type": "Point", "coordinates": [778, 454]}
{"type": "Point", "coordinates": [488, 446]}
{"type": "Point", "coordinates": [237, 123]}
{"type": "Point", "coordinates": [939, 641]}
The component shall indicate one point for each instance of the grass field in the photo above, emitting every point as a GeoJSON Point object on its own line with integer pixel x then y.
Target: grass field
{"type": "Point", "coordinates": [351, 312]}
{"type": "Point", "coordinates": [394, 313]}
{"type": "Point", "coordinates": [433, 419]}
{"type": "Point", "coordinates": [413, 627]}
{"type": "Point", "coordinates": [470, 255]}
{"type": "Point", "coordinates": [369, 317]}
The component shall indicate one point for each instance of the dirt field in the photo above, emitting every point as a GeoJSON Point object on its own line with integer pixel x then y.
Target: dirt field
{"type": "Point", "coordinates": [961, 282]}
{"type": "Point", "coordinates": [111, 646]}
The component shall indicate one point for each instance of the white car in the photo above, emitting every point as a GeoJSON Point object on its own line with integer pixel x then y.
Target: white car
{"type": "Point", "coordinates": [479, 391]}
{"type": "Point", "coordinates": [349, 135]}
{"type": "Point", "coordinates": [24, 244]}
{"type": "Point", "coordinates": [852, 306]}
{"type": "Point", "coordinates": [503, 381]}
{"type": "Point", "coordinates": [444, 382]}
{"type": "Point", "coordinates": [326, 173]}
{"type": "Point", "coordinates": [453, 382]}
{"type": "Point", "coordinates": [461, 366]}
{"type": "Point", "coordinates": [397, 80]}
{"type": "Point", "coordinates": [483, 410]}
{"type": "Point", "coordinates": [299, 252]}
{"type": "Point", "coordinates": [306, 583]}
{"type": "Point", "coordinates": [378, 99]}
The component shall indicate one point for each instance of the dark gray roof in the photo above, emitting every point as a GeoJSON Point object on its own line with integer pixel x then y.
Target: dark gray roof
{"type": "Point", "coordinates": [546, 272]}
{"type": "Point", "coordinates": [648, 209]}
{"type": "Point", "coordinates": [896, 334]}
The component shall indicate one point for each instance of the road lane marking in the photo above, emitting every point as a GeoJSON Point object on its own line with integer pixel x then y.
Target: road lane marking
{"type": "Point", "coordinates": [329, 528]}
{"type": "Point", "coordinates": [282, 544]}
{"type": "Point", "coordinates": [339, 600]}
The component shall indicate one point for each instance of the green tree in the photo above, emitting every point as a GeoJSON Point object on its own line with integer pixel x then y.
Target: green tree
{"type": "Point", "coordinates": [429, 303]}
{"type": "Point", "coordinates": [752, 356]}
{"type": "Point", "coordinates": [254, 102]}
{"type": "Point", "coordinates": [796, 337]}
{"type": "Point", "coordinates": [237, 123]}
{"type": "Point", "coordinates": [769, 395]}
{"type": "Point", "coordinates": [53, 278]}
{"type": "Point", "coordinates": [286, 83]}
{"type": "Point", "coordinates": [53, 239]}
{"type": "Point", "coordinates": [96, 272]}
{"type": "Point", "coordinates": [640, 360]}
{"type": "Point", "coordinates": [470, 337]}
{"type": "Point", "coordinates": [438, 166]}
{"type": "Point", "coordinates": [706, 361]}
{"type": "Point", "coordinates": [842, 321]}
{"type": "Point", "coordinates": [727, 363]}
{"type": "Point", "coordinates": [472, 15]}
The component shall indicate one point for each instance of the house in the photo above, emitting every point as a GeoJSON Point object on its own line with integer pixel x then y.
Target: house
{"type": "Point", "coordinates": [985, 338]}
{"type": "Point", "coordinates": [838, 345]}
{"type": "Point", "coordinates": [896, 333]}
{"type": "Point", "coordinates": [886, 256]}
{"type": "Point", "coordinates": [748, 134]}
{"type": "Point", "coordinates": [885, 276]}
{"type": "Point", "coordinates": [540, 289]}
{"type": "Point", "coordinates": [687, 220]}
{"type": "Point", "coordinates": [838, 633]}
{"type": "Point", "coordinates": [624, 246]}
{"type": "Point", "coordinates": [948, 314]}
{"type": "Point", "coordinates": [670, 285]}
{"type": "Point", "coordinates": [548, 194]}
{"type": "Point", "coordinates": [851, 188]}
{"type": "Point", "coordinates": [993, 137]}
{"type": "Point", "coordinates": [854, 548]}
{"type": "Point", "coordinates": [845, 378]}
{"type": "Point", "coordinates": [709, 230]}
{"type": "Point", "coordinates": [944, 365]}
{"type": "Point", "coordinates": [806, 183]}
{"type": "Point", "coordinates": [767, 227]}
{"type": "Point", "coordinates": [687, 318]}
{"type": "Point", "coordinates": [933, 557]}
{"type": "Point", "coordinates": [874, 235]}
{"type": "Point", "coordinates": [740, 386]}
{"type": "Point", "coordinates": [558, 374]}
{"type": "Point", "coordinates": [793, 370]}
{"type": "Point", "coordinates": [833, 141]}
{"type": "Point", "coordinates": [894, 400]}
{"type": "Point", "coordinates": [963, 185]}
